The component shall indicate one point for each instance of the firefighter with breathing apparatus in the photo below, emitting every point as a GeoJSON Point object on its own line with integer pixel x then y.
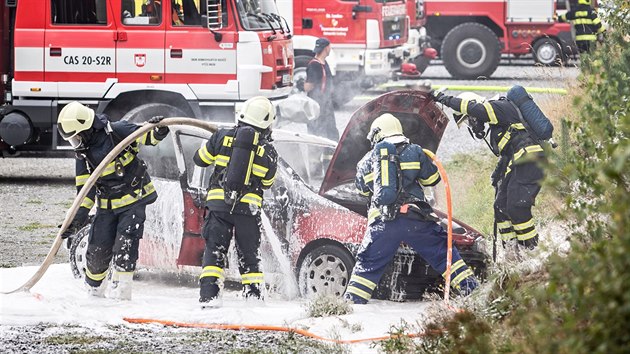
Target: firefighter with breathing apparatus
{"type": "Point", "coordinates": [121, 195]}
{"type": "Point", "coordinates": [588, 27]}
{"type": "Point", "coordinates": [245, 164]}
{"type": "Point", "coordinates": [392, 175]}
{"type": "Point", "coordinates": [518, 174]}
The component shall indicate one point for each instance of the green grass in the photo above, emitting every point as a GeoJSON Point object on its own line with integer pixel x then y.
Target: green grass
{"type": "Point", "coordinates": [34, 201]}
{"type": "Point", "coordinates": [75, 339]}
{"type": "Point", "coordinates": [34, 226]}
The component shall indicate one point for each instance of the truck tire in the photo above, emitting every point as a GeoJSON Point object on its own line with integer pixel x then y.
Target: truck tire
{"type": "Point", "coordinates": [146, 111]}
{"type": "Point", "coordinates": [471, 50]}
{"type": "Point", "coordinates": [548, 52]}
{"type": "Point", "coordinates": [325, 270]}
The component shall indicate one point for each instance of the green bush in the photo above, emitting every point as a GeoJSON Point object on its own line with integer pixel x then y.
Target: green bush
{"type": "Point", "coordinates": [580, 303]}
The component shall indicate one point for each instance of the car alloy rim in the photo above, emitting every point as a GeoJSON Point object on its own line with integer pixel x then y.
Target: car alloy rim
{"type": "Point", "coordinates": [326, 275]}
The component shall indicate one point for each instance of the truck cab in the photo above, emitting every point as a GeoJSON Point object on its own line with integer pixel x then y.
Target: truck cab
{"type": "Point", "coordinates": [367, 37]}
{"type": "Point", "coordinates": [133, 59]}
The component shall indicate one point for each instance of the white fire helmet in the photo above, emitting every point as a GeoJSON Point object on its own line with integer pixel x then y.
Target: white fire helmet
{"type": "Point", "coordinates": [257, 111]}
{"type": "Point", "coordinates": [73, 119]}
{"type": "Point", "coordinates": [384, 126]}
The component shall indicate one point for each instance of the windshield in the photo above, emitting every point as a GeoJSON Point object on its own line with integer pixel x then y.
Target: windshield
{"type": "Point", "coordinates": [259, 15]}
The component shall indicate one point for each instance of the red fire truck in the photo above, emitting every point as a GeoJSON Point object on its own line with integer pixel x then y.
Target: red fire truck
{"type": "Point", "coordinates": [133, 59]}
{"type": "Point", "coordinates": [367, 37]}
{"type": "Point", "coordinates": [474, 33]}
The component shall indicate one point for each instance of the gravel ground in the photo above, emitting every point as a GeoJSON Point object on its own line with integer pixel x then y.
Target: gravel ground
{"type": "Point", "coordinates": [35, 194]}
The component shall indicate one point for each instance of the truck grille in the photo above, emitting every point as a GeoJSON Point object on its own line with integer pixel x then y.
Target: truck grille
{"type": "Point", "coordinates": [394, 28]}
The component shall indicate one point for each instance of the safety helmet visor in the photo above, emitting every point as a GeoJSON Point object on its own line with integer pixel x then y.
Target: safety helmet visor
{"type": "Point", "coordinates": [76, 141]}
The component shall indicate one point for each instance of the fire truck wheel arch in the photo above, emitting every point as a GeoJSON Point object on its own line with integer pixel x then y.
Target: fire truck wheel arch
{"type": "Point", "coordinates": [471, 50]}
{"type": "Point", "coordinates": [146, 111]}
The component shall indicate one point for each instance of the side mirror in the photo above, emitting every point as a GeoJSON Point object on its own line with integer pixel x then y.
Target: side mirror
{"type": "Point", "coordinates": [214, 18]}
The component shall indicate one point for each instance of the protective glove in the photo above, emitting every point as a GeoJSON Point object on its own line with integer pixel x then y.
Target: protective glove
{"type": "Point", "coordinates": [79, 221]}
{"type": "Point", "coordinates": [162, 131]}
{"type": "Point", "coordinates": [300, 85]}
{"type": "Point", "coordinates": [440, 97]}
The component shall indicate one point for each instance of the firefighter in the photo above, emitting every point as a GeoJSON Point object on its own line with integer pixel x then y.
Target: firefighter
{"type": "Point", "coordinates": [319, 86]}
{"type": "Point", "coordinates": [122, 193]}
{"type": "Point", "coordinates": [409, 219]}
{"type": "Point", "coordinates": [517, 175]}
{"type": "Point", "coordinates": [588, 26]}
{"type": "Point", "coordinates": [234, 205]}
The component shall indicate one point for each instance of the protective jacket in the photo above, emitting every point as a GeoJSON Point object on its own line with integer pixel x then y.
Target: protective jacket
{"type": "Point", "coordinates": [416, 171]}
{"type": "Point", "coordinates": [585, 21]}
{"type": "Point", "coordinates": [217, 151]}
{"type": "Point", "coordinates": [508, 137]}
{"type": "Point", "coordinates": [124, 182]}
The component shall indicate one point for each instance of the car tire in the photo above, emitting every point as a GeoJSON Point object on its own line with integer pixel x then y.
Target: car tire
{"type": "Point", "coordinates": [146, 111]}
{"type": "Point", "coordinates": [78, 250]}
{"type": "Point", "coordinates": [471, 50]}
{"type": "Point", "coordinates": [548, 52]}
{"type": "Point", "coordinates": [325, 270]}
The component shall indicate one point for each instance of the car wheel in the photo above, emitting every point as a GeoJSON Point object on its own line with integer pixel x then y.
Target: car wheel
{"type": "Point", "coordinates": [146, 111]}
{"type": "Point", "coordinates": [547, 52]}
{"type": "Point", "coordinates": [325, 270]}
{"type": "Point", "coordinates": [78, 250]}
{"type": "Point", "coordinates": [470, 51]}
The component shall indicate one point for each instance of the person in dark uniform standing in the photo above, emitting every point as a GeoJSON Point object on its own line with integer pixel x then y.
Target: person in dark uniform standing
{"type": "Point", "coordinates": [319, 86]}
{"type": "Point", "coordinates": [588, 26]}
{"type": "Point", "coordinates": [408, 219]}
{"type": "Point", "coordinates": [518, 174]}
{"type": "Point", "coordinates": [122, 193]}
{"type": "Point", "coordinates": [234, 205]}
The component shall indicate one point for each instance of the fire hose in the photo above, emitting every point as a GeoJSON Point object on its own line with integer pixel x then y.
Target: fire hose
{"type": "Point", "coordinates": [92, 180]}
{"type": "Point", "coordinates": [449, 213]}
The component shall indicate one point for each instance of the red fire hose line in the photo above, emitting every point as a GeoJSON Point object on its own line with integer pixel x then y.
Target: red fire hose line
{"type": "Point", "coordinates": [242, 327]}
{"type": "Point", "coordinates": [449, 212]}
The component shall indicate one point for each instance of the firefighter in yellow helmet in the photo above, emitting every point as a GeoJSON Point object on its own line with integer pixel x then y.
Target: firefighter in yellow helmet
{"type": "Point", "coordinates": [588, 27]}
{"type": "Point", "coordinates": [393, 175]}
{"type": "Point", "coordinates": [120, 195]}
{"type": "Point", "coordinates": [518, 173]}
{"type": "Point", "coordinates": [245, 164]}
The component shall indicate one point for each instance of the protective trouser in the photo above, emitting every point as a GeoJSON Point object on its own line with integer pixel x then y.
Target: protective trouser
{"type": "Point", "coordinates": [584, 46]}
{"type": "Point", "coordinates": [515, 197]}
{"type": "Point", "coordinates": [114, 238]}
{"type": "Point", "coordinates": [381, 243]}
{"type": "Point", "coordinates": [217, 231]}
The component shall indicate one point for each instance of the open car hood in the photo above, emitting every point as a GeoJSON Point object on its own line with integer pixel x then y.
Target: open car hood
{"type": "Point", "coordinates": [422, 121]}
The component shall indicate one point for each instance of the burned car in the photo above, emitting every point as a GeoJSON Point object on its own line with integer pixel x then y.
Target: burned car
{"type": "Point", "coordinates": [313, 219]}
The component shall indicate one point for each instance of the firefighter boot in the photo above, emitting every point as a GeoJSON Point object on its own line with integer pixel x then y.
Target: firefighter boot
{"type": "Point", "coordinates": [121, 284]}
{"type": "Point", "coordinates": [96, 291]}
{"type": "Point", "coordinates": [210, 293]}
{"type": "Point", "coordinates": [254, 292]}
{"type": "Point", "coordinates": [512, 251]}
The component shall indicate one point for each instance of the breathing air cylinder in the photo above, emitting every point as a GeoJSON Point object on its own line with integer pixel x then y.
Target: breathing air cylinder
{"type": "Point", "coordinates": [239, 169]}
{"type": "Point", "coordinates": [535, 118]}
{"type": "Point", "coordinates": [385, 174]}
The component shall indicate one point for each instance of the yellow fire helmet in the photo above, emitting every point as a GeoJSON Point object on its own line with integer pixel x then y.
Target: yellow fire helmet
{"type": "Point", "coordinates": [73, 119]}
{"type": "Point", "coordinates": [384, 126]}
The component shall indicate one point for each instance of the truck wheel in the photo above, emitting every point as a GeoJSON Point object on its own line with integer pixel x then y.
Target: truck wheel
{"type": "Point", "coordinates": [299, 73]}
{"type": "Point", "coordinates": [78, 249]}
{"type": "Point", "coordinates": [547, 52]}
{"type": "Point", "coordinates": [325, 270]}
{"type": "Point", "coordinates": [146, 111]}
{"type": "Point", "coordinates": [471, 50]}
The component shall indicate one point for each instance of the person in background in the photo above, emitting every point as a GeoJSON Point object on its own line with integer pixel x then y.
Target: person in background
{"type": "Point", "coordinates": [408, 219]}
{"type": "Point", "coordinates": [588, 27]}
{"type": "Point", "coordinates": [121, 195]}
{"type": "Point", "coordinates": [319, 86]}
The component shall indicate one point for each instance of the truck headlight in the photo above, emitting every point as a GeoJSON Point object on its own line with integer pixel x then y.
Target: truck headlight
{"type": "Point", "coordinates": [377, 56]}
